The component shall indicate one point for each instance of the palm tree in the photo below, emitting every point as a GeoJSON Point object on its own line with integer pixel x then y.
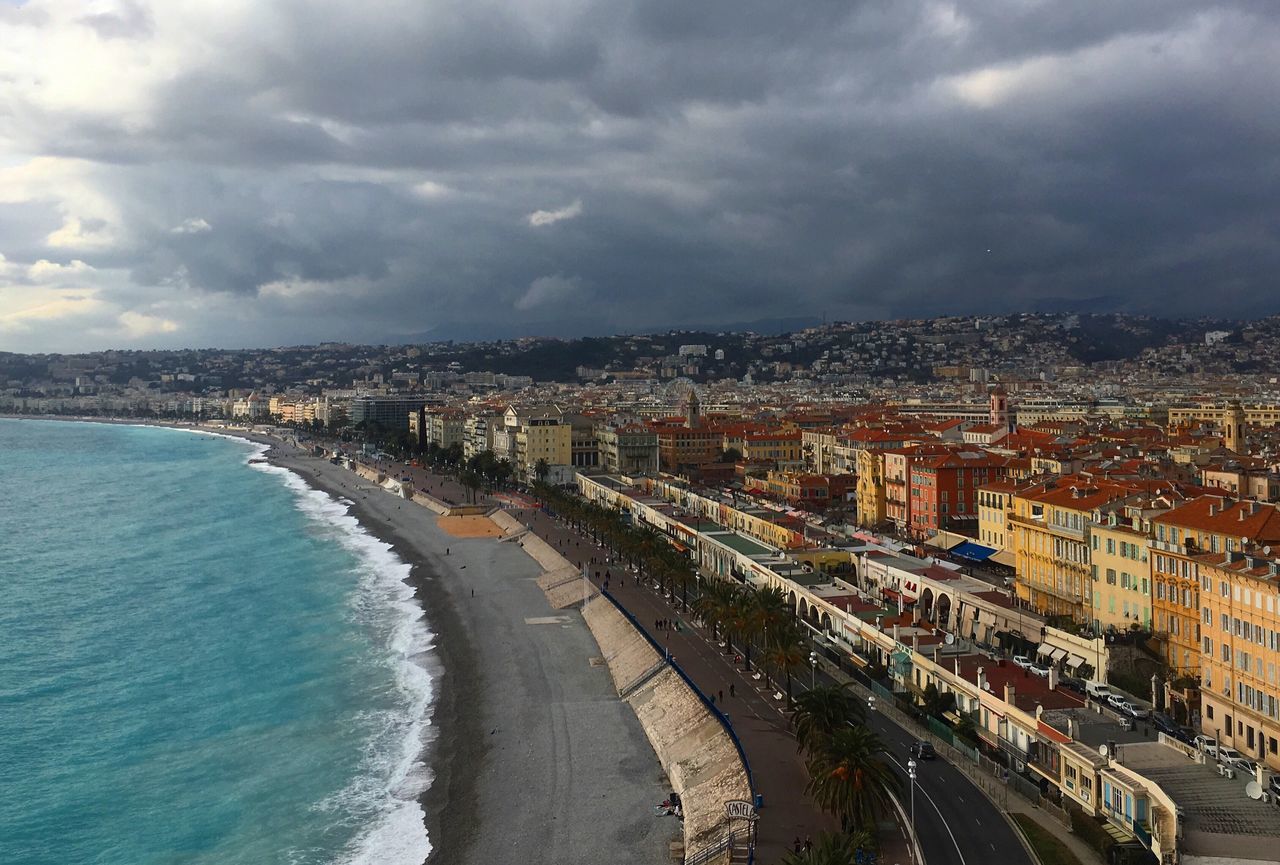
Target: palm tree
{"type": "Point", "coordinates": [850, 778]}
{"type": "Point", "coordinates": [540, 470]}
{"type": "Point", "coordinates": [784, 650]}
{"type": "Point", "coordinates": [820, 712]}
{"type": "Point", "coordinates": [766, 610]}
{"type": "Point", "coordinates": [715, 604]}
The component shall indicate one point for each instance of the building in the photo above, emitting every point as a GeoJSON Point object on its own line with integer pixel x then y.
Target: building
{"type": "Point", "coordinates": [944, 490]}
{"type": "Point", "coordinates": [1050, 524]}
{"type": "Point", "coordinates": [477, 433]}
{"type": "Point", "coordinates": [538, 435]}
{"type": "Point", "coordinates": [629, 450]}
{"type": "Point", "coordinates": [1119, 569]}
{"type": "Point", "coordinates": [1240, 651]}
{"type": "Point", "coordinates": [385, 413]}
{"type": "Point", "coordinates": [1205, 525]}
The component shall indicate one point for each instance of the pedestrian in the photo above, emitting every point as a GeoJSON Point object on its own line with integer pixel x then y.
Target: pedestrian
{"type": "Point", "coordinates": [796, 846]}
{"type": "Point", "coordinates": [722, 700]}
{"type": "Point", "coordinates": [446, 551]}
{"type": "Point", "coordinates": [808, 843]}
{"type": "Point", "coordinates": [731, 689]}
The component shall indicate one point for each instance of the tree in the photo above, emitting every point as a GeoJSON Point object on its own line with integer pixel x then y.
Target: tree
{"type": "Point", "coordinates": [541, 469]}
{"type": "Point", "coordinates": [730, 455]}
{"type": "Point", "coordinates": [937, 703]}
{"type": "Point", "coordinates": [850, 778]}
{"type": "Point", "coordinates": [784, 650]}
{"type": "Point", "coordinates": [820, 712]}
{"type": "Point", "coordinates": [472, 481]}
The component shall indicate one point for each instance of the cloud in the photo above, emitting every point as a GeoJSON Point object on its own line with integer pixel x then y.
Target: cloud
{"type": "Point", "coordinates": [193, 225]}
{"type": "Point", "coordinates": [362, 165]}
{"type": "Point", "coordinates": [551, 217]}
{"type": "Point", "coordinates": [549, 291]}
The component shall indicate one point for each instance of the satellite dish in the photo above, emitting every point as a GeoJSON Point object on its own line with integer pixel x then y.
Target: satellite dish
{"type": "Point", "coordinates": [986, 686]}
{"type": "Point", "coordinates": [951, 638]}
{"type": "Point", "coordinates": [1253, 790]}
{"type": "Point", "coordinates": [1266, 551]}
{"type": "Point", "coordinates": [1102, 751]}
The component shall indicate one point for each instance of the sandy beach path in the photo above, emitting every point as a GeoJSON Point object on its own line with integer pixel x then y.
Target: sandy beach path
{"type": "Point", "coordinates": [537, 760]}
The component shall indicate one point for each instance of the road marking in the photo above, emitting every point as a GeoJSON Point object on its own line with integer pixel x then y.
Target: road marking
{"type": "Point", "coordinates": [937, 810]}
{"type": "Point", "coordinates": [546, 620]}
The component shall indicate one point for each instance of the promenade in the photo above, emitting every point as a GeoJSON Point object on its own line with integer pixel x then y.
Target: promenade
{"type": "Point", "coordinates": [760, 721]}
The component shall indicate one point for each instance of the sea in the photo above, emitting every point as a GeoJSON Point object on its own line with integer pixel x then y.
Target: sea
{"type": "Point", "coordinates": [202, 660]}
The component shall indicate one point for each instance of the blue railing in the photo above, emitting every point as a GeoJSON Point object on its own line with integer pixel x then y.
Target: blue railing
{"type": "Point", "coordinates": [706, 701]}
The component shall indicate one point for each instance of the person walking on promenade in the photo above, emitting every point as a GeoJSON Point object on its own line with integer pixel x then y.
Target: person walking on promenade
{"type": "Point", "coordinates": [722, 696]}
{"type": "Point", "coordinates": [808, 843]}
{"type": "Point", "coordinates": [731, 689]}
{"type": "Point", "coordinates": [796, 847]}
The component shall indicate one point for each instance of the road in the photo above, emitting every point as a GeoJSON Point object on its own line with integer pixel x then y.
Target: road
{"type": "Point", "coordinates": [955, 822]}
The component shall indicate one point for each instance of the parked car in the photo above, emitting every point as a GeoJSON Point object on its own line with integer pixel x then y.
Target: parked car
{"type": "Point", "coordinates": [1186, 735]}
{"type": "Point", "coordinates": [922, 751]}
{"type": "Point", "coordinates": [1229, 756]}
{"type": "Point", "coordinates": [1243, 764]}
{"type": "Point", "coordinates": [1042, 672]}
{"type": "Point", "coordinates": [1207, 744]}
{"type": "Point", "coordinates": [1126, 706]}
{"type": "Point", "coordinates": [1164, 723]}
{"type": "Point", "coordinates": [1073, 684]}
{"type": "Point", "coordinates": [1097, 690]}
{"type": "Point", "coordinates": [1022, 661]}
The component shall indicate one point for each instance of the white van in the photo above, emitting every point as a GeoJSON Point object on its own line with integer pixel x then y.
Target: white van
{"type": "Point", "coordinates": [1097, 690]}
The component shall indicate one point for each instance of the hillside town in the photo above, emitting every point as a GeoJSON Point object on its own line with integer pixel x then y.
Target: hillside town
{"type": "Point", "coordinates": [1076, 563]}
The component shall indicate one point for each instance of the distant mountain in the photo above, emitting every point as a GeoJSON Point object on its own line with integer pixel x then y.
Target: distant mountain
{"type": "Point", "coordinates": [572, 328]}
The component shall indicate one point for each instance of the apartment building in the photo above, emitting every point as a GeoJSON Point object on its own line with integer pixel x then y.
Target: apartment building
{"type": "Point", "coordinates": [1119, 569]}
{"type": "Point", "coordinates": [1050, 524]}
{"type": "Point", "coordinates": [630, 449]}
{"type": "Point", "coordinates": [944, 490]}
{"type": "Point", "coordinates": [1208, 524]}
{"type": "Point", "coordinates": [1240, 645]}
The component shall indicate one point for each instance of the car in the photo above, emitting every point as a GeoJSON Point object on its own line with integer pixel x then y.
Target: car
{"type": "Point", "coordinates": [1022, 661]}
{"type": "Point", "coordinates": [1243, 764]}
{"type": "Point", "coordinates": [1072, 683]}
{"type": "Point", "coordinates": [1097, 690]}
{"type": "Point", "coordinates": [1229, 756]}
{"type": "Point", "coordinates": [1185, 735]}
{"type": "Point", "coordinates": [1164, 723]}
{"type": "Point", "coordinates": [1042, 672]}
{"type": "Point", "coordinates": [1129, 708]}
{"type": "Point", "coordinates": [922, 751]}
{"type": "Point", "coordinates": [1207, 744]}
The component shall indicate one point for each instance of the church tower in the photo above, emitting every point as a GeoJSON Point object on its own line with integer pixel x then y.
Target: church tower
{"type": "Point", "coordinates": [999, 414]}
{"type": "Point", "coordinates": [1233, 428]}
{"type": "Point", "coordinates": [691, 410]}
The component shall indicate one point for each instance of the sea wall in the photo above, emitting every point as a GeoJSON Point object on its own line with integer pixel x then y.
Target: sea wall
{"type": "Point", "coordinates": [369, 474]}
{"type": "Point", "coordinates": [430, 503]}
{"type": "Point", "coordinates": [696, 752]}
{"type": "Point", "coordinates": [699, 758]}
{"type": "Point", "coordinates": [506, 522]}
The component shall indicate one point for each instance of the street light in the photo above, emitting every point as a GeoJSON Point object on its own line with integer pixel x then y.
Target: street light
{"type": "Point", "coordinates": [871, 703]}
{"type": "Point", "coordinates": [911, 773]}
{"type": "Point", "coordinates": [813, 663]}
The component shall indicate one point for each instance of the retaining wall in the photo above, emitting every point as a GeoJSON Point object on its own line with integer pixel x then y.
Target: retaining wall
{"type": "Point", "coordinates": [506, 522]}
{"type": "Point", "coordinates": [700, 759]}
{"type": "Point", "coordinates": [430, 503]}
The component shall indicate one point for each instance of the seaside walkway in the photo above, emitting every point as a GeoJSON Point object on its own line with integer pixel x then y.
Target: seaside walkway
{"type": "Point", "coordinates": [759, 721]}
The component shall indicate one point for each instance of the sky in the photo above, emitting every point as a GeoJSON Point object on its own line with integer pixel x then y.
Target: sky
{"type": "Point", "coordinates": [232, 173]}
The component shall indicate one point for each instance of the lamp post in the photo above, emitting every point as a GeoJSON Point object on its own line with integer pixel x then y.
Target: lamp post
{"type": "Point", "coordinates": [813, 665]}
{"type": "Point", "coordinates": [871, 703]}
{"type": "Point", "coordinates": [911, 773]}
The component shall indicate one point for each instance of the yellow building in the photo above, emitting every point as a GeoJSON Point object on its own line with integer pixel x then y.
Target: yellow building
{"type": "Point", "coordinates": [1050, 524]}
{"type": "Point", "coordinates": [1240, 646]}
{"type": "Point", "coordinates": [871, 498]}
{"type": "Point", "coordinates": [1209, 524]}
{"type": "Point", "coordinates": [1119, 570]}
{"type": "Point", "coordinates": [995, 505]}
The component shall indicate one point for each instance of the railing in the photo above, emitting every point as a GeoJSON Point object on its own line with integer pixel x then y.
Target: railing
{"type": "Point", "coordinates": [711, 850]}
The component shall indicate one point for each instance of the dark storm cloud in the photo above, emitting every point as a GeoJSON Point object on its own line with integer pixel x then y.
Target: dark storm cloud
{"type": "Point", "coordinates": [374, 168]}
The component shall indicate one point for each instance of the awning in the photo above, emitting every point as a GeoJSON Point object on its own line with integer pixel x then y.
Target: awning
{"type": "Point", "coordinates": [1058, 655]}
{"type": "Point", "coordinates": [973, 552]}
{"type": "Point", "coordinates": [1044, 649]}
{"type": "Point", "coordinates": [1004, 557]}
{"type": "Point", "coordinates": [1074, 661]}
{"type": "Point", "coordinates": [946, 540]}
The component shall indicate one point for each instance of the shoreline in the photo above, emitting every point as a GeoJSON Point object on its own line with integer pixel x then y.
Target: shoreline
{"type": "Point", "coordinates": [531, 756]}
{"type": "Point", "coordinates": [456, 740]}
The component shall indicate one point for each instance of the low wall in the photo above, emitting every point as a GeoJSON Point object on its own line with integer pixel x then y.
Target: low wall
{"type": "Point", "coordinates": [506, 522]}
{"type": "Point", "coordinates": [430, 503]}
{"type": "Point", "coordinates": [369, 474]}
{"type": "Point", "coordinates": [570, 594]}
{"type": "Point", "coordinates": [700, 759]}
{"type": "Point", "coordinates": [543, 553]}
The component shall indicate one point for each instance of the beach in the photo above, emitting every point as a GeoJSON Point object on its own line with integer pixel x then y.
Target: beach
{"type": "Point", "coordinates": [533, 758]}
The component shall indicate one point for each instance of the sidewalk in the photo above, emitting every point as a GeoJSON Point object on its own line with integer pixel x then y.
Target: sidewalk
{"type": "Point", "coordinates": [759, 720]}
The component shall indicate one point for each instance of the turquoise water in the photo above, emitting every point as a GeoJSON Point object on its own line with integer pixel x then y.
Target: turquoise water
{"type": "Point", "coordinates": [201, 660]}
